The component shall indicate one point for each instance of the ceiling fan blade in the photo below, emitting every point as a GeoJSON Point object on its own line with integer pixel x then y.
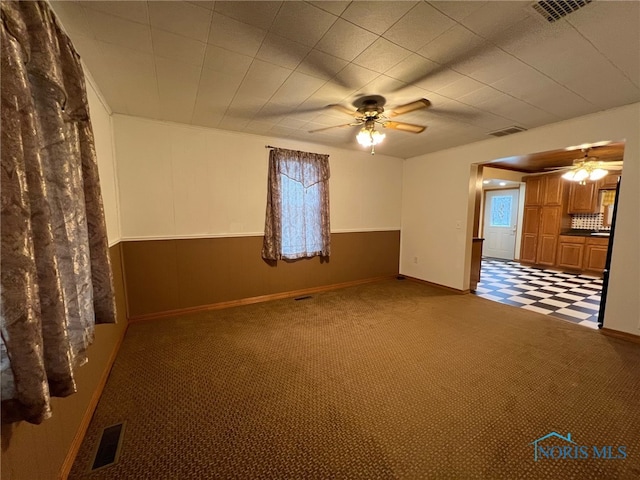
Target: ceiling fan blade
{"type": "Point", "coordinates": [405, 127]}
{"type": "Point", "coordinates": [340, 108]}
{"type": "Point", "coordinates": [409, 107]}
{"type": "Point", "coordinates": [334, 126]}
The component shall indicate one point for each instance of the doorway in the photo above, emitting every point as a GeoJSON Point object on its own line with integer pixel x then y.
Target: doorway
{"type": "Point", "coordinates": [500, 223]}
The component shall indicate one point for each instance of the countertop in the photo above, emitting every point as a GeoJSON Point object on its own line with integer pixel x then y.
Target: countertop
{"type": "Point", "coordinates": [586, 233]}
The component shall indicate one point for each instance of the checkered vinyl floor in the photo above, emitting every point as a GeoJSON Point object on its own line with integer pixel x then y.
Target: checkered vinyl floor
{"type": "Point", "coordinates": [571, 297]}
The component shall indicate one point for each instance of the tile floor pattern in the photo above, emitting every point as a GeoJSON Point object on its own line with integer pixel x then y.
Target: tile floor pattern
{"type": "Point", "coordinates": [571, 297]}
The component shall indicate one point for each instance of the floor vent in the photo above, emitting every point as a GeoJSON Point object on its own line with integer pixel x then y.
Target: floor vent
{"type": "Point", "coordinates": [552, 10]}
{"type": "Point", "coordinates": [303, 298]}
{"type": "Point", "coordinates": [109, 448]}
{"type": "Point", "coordinates": [507, 131]}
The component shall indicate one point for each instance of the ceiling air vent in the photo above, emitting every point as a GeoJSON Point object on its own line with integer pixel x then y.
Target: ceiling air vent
{"type": "Point", "coordinates": [554, 10]}
{"type": "Point", "coordinates": [507, 131]}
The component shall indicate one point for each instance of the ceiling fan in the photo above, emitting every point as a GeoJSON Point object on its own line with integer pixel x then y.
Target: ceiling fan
{"type": "Point", "coordinates": [370, 111]}
{"type": "Point", "coordinates": [587, 168]}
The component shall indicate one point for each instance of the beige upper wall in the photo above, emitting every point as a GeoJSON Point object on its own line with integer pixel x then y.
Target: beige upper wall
{"type": "Point", "coordinates": [437, 194]}
{"type": "Point", "coordinates": [103, 135]}
{"type": "Point", "coordinates": [179, 181]}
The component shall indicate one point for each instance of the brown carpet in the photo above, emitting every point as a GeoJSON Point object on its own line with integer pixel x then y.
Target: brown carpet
{"type": "Point", "coordinates": [387, 380]}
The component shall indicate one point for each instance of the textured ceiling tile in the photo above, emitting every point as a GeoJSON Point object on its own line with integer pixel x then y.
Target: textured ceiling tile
{"type": "Point", "coordinates": [484, 94]}
{"type": "Point", "coordinates": [438, 80]}
{"type": "Point", "coordinates": [356, 77]}
{"type": "Point", "coordinates": [420, 25]}
{"type": "Point", "coordinates": [560, 101]}
{"type": "Point", "coordinates": [457, 9]}
{"type": "Point", "coordinates": [130, 10]}
{"type": "Point", "coordinates": [208, 4]}
{"type": "Point", "coordinates": [333, 42]}
{"type": "Point", "coordinates": [282, 51]}
{"type": "Point", "coordinates": [258, 14]}
{"type": "Point", "coordinates": [412, 68]}
{"type": "Point", "coordinates": [263, 80]}
{"type": "Point", "coordinates": [302, 22]}
{"type": "Point", "coordinates": [120, 32]}
{"type": "Point", "coordinates": [321, 65]}
{"type": "Point", "coordinates": [584, 63]}
{"type": "Point", "coordinates": [182, 18]}
{"type": "Point", "coordinates": [460, 87]}
{"type": "Point", "coordinates": [523, 83]}
{"type": "Point", "coordinates": [296, 89]}
{"type": "Point", "coordinates": [381, 56]}
{"type": "Point", "coordinates": [613, 29]}
{"type": "Point", "coordinates": [493, 17]}
{"type": "Point", "coordinates": [376, 17]}
{"type": "Point", "coordinates": [177, 88]}
{"type": "Point", "coordinates": [176, 47]}
{"type": "Point", "coordinates": [222, 60]}
{"type": "Point", "coordinates": [453, 46]}
{"type": "Point", "coordinates": [235, 36]}
{"type": "Point", "coordinates": [335, 8]}
{"type": "Point", "coordinates": [73, 18]}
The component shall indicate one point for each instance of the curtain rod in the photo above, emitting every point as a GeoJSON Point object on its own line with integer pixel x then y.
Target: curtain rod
{"type": "Point", "coordinates": [301, 151]}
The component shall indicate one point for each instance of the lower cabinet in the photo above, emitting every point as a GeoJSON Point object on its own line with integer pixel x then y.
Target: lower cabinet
{"type": "Point", "coordinates": [571, 252]}
{"type": "Point", "coordinates": [595, 255]}
{"type": "Point", "coordinates": [585, 254]}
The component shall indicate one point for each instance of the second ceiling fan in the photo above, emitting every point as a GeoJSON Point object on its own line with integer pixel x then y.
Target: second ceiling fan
{"type": "Point", "coordinates": [370, 112]}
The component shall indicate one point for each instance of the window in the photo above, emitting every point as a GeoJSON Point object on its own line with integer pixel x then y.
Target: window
{"type": "Point", "coordinates": [501, 211]}
{"type": "Point", "coordinates": [297, 219]}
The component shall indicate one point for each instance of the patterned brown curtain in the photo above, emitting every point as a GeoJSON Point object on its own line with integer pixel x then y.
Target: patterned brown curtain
{"type": "Point", "coordinates": [297, 219]}
{"type": "Point", "coordinates": [56, 277]}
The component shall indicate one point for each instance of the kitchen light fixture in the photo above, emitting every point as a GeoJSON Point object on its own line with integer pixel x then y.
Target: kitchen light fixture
{"type": "Point", "coordinates": [587, 169]}
{"type": "Point", "coordinates": [368, 136]}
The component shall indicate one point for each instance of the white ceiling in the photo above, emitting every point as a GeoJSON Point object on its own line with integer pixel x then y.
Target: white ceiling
{"type": "Point", "coordinates": [271, 68]}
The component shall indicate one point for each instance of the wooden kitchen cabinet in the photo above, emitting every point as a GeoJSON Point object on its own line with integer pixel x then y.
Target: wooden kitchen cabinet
{"type": "Point", "coordinates": [548, 235]}
{"type": "Point", "coordinates": [533, 194]}
{"type": "Point", "coordinates": [530, 224]}
{"type": "Point", "coordinates": [571, 252]}
{"type": "Point", "coordinates": [595, 255]}
{"type": "Point", "coordinates": [583, 198]}
{"type": "Point", "coordinates": [610, 182]}
{"type": "Point", "coordinates": [553, 189]}
{"type": "Point", "coordinates": [545, 196]}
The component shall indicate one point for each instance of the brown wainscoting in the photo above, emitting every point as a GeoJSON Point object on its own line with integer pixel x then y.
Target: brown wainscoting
{"type": "Point", "coordinates": [262, 298]}
{"type": "Point", "coordinates": [166, 275]}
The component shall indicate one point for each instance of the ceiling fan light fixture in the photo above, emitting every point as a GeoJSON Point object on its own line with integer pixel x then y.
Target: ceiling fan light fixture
{"type": "Point", "coordinates": [569, 175]}
{"type": "Point", "coordinates": [598, 174]}
{"type": "Point", "coordinates": [368, 137]}
{"type": "Point", "coordinates": [581, 175]}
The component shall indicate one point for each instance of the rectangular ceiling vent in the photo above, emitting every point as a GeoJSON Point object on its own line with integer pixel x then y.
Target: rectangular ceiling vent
{"type": "Point", "coordinates": [552, 10]}
{"type": "Point", "coordinates": [507, 131]}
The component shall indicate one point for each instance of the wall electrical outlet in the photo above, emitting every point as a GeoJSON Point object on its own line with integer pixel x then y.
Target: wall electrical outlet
{"type": "Point", "coordinates": [415, 259]}
{"type": "Point", "coordinates": [458, 224]}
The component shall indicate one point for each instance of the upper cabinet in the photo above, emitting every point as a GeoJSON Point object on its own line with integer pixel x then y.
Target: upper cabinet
{"type": "Point", "coordinates": [610, 182]}
{"type": "Point", "coordinates": [534, 192]}
{"type": "Point", "coordinates": [583, 198]}
{"type": "Point", "coordinates": [553, 188]}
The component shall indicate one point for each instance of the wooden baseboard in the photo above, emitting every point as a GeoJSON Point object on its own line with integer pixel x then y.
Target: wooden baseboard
{"type": "Point", "coordinates": [91, 407]}
{"type": "Point", "coordinates": [437, 285]}
{"type": "Point", "coordinates": [251, 300]}
{"type": "Point", "coordinates": [630, 337]}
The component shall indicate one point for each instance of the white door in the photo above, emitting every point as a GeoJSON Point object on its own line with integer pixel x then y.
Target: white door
{"type": "Point", "coordinates": [500, 223]}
